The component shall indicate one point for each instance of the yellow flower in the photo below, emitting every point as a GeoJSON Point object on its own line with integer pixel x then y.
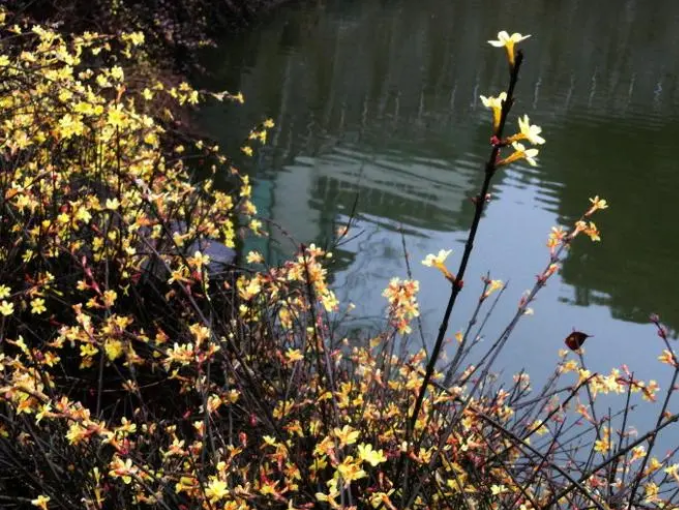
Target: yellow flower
{"type": "Point", "coordinates": [668, 358]}
{"type": "Point", "coordinates": [117, 73]}
{"type": "Point", "coordinates": [116, 117]}
{"type": "Point", "coordinates": [651, 491]}
{"type": "Point", "coordinates": [639, 452]}
{"type": "Point", "coordinates": [88, 350]}
{"type": "Point", "coordinates": [350, 470]}
{"type": "Point", "coordinates": [6, 308]}
{"type": "Point", "coordinates": [654, 464]}
{"type": "Point", "coordinates": [493, 285]}
{"type": "Point", "coordinates": [83, 215]}
{"type": "Point", "coordinates": [528, 132]}
{"type": "Point", "coordinates": [124, 470]}
{"type": "Point", "coordinates": [593, 232]}
{"type": "Point", "coordinates": [438, 261]}
{"type": "Point", "coordinates": [539, 427]}
{"type": "Point", "coordinates": [112, 204]}
{"type": "Point", "coordinates": [185, 484]}
{"type": "Point", "coordinates": [508, 41]}
{"type": "Point", "coordinates": [520, 152]}
{"type": "Point", "coordinates": [346, 435]}
{"type": "Point", "coordinates": [113, 348]}
{"type": "Point", "coordinates": [673, 471]}
{"type": "Point", "coordinates": [76, 433]}
{"type": "Point", "coordinates": [41, 501]}
{"type": "Point", "coordinates": [373, 457]}
{"type": "Point", "coordinates": [254, 257]}
{"type": "Point", "coordinates": [247, 150]}
{"type": "Point", "coordinates": [270, 440]}
{"type": "Point", "coordinates": [589, 229]}
{"type": "Point", "coordinates": [498, 489]}
{"type": "Point", "coordinates": [38, 306]}
{"type": "Point", "coordinates": [255, 225]}
{"type": "Point", "coordinates": [495, 104]}
{"type": "Point", "coordinates": [136, 38]}
{"type": "Point", "coordinates": [126, 426]}
{"type": "Point", "coordinates": [268, 489]}
{"type": "Point", "coordinates": [293, 355]}
{"type": "Point", "coordinates": [199, 260]}
{"type": "Point", "coordinates": [4, 291]}
{"type": "Point", "coordinates": [216, 490]}
{"type": "Point", "coordinates": [248, 289]}
{"type": "Point", "coordinates": [601, 446]}
{"type": "Point", "coordinates": [110, 297]}
{"type": "Point", "coordinates": [598, 204]}
{"type": "Point", "coordinates": [70, 126]}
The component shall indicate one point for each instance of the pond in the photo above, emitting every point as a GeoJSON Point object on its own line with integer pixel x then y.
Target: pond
{"type": "Point", "coordinates": [377, 112]}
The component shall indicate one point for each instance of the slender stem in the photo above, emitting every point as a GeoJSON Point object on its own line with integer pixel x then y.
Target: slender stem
{"type": "Point", "coordinates": [616, 456]}
{"type": "Point", "coordinates": [480, 202]}
{"type": "Point", "coordinates": [652, 439]}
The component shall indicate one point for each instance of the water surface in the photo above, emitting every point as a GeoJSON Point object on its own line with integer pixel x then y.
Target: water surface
{"type": "Point", "coordinates": [377, 112]}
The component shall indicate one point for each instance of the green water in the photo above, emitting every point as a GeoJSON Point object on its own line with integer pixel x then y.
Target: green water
{"type": "Point", "coordinates": [376, 104]}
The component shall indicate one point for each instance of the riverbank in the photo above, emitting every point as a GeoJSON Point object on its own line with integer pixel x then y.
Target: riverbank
{"type": "Point", "coordinates": [175, 30]}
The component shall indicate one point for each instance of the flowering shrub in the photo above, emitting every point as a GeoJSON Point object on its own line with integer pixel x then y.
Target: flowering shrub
{"type": "Point", "coordinates": [175, 30]}
{"type": "Point", "coordinates": [136, 372]}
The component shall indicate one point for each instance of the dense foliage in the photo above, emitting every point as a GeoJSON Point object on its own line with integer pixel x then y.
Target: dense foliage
{"type": "Point", "coordinates": [174, 29]}
{"type": "Point", "coordinates": [136, 371]}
